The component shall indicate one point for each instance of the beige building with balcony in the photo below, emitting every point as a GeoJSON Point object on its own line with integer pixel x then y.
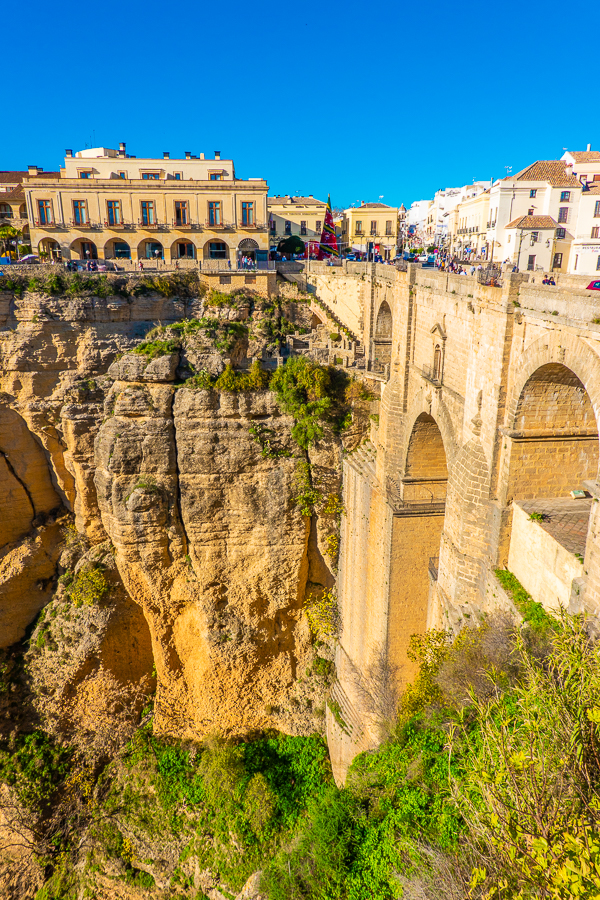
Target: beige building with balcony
{"type": "Point", "coordinates": [371, 227]}
{"type": "Point", "coordinates": [300, 216]}
{"type": "Point", "coordinates": [107, 204]}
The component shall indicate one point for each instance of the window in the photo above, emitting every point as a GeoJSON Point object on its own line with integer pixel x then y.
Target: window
{"type": "Point", "coordinates": [121, 250]}
{"type": "Point", "coordinates": [45, 212]}
{"type": "Point", "coordinates": [216, 176]}
{"type": "Point", "coordinates": [273, 225]}
{"type": "Point", "coordinates": [597, 210]}
{"type": "Point", "coordinates": [214, 216]}
{"type": "Point", "coordinates": [358, 229]}
{"type": "Point", "coordinates": [150, 176]}
{"type": "Point", "coordinates": [388, 226]}
{"type": "Point", "coordinates": [122, 174]}
{"type": "Point", "coordinates": [181, 212]}
{"type": "Point", "coordinates": [565, 196]}
{"type": "Point", "coordinates": [530, 212]}
{"type": "Point", "coordinates": [531, 263]}
{"type": "Point", "coordinates": [595, 231]}
{"type": "Point", "coordinates": [288, 227]}
{"type": "Point", "coordinates": [185, 251]}
{"type": "Point", "coordinates": [217, 250]}
{"type": "Point", "coordinates": [79, 212]}
{"type": "Point", "coordinates": [373, 226]}
{"type": "Point", "coordinates": [532, 193]}
{"type": "Point", "coordinates": [88, 250]}
{"type": "Point", "coordinates": [557, 261]}
{"type": "Point", "coordinates": [147, 212]}
{"type": "Point", "coordinates": [302, 226]}
{"type": "Point", "coordinates": [598, 265]}
{"type": "Point", "coordinates": [85, 174]}
{"type": "Point", "coordinates": [563, 214]}
{"type": "Point", "coordinates": [437, 363]}
{"type": "Point", "coordinates": [114, 212]}
{"type": "Point", "coordinates": [561, 233]}
{"type": "Point", "coordinates": [535, 236]}
{"type": "Point", "coordinates": [177, 176]}
{"type": "Point", "coordinates": [247, 213]}
{"type": "Point", "coordinates": [318, 226]}
{"type": "Point", "coordinates": [5, 211]}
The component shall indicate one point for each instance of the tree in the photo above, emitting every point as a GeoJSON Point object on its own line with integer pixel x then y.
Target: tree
{"type": "Point", "coordinates": [291, 244]}
{"type": "Point", "coordinates": [8, 235]}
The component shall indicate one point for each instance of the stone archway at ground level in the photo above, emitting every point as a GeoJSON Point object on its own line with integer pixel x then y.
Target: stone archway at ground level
{"type": "Point", "coordinates": [82, 248]}
{"type": "Point", "coordinates": [117, 248]}
{"type": "Point", "coordinates": [215, 249]}
{"type": "Point", "coordinates": [49, 249]}
{"type": "Point", "coordinates": [183, 249]}
{"type": "Point", "coordinates": [149, 249]}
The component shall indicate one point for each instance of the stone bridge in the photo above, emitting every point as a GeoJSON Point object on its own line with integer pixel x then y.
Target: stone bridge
{"type": "Point", "coordinates": [491, 403]}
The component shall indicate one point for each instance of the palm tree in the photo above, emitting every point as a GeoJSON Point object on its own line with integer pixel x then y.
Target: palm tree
{"type": "Point", "coordinates": [8, 235]}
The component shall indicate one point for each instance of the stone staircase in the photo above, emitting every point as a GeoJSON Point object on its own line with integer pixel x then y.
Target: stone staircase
{"type": "Point", "coordinates": [363, 460]}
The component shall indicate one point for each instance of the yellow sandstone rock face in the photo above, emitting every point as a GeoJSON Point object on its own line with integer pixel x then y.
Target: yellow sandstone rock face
{"type": "Point", "coordinates": [201, 528]}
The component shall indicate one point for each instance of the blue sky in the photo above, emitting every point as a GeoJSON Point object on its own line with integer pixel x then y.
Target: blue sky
{"type": "Point", "coordinates": [359, 100]}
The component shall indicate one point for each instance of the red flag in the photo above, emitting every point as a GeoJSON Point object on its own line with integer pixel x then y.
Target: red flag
{"type": "Point", "coordinates": [328, 245]}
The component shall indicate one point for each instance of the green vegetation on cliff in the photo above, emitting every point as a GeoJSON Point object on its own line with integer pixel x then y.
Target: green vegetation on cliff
{"type": "Point", "coordinates": [487, 787]}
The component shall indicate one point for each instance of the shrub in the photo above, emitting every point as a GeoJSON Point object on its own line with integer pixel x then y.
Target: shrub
{"type": "Point", "coordinates": [323, 614]}
{"type": "Point", "coordinates": [154, 349]}
{"type": "Point", "coordinates": [301, 390]}
{"type": "Point", "coordinates": [88, 587]}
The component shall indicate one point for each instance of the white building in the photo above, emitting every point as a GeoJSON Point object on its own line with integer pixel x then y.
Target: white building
{"type": "Point", "coordinates": [585, 249]}
{"type": "Point", "coordinates": [435, 229]}
{"type": "Point", "coordinates": [543, 189]}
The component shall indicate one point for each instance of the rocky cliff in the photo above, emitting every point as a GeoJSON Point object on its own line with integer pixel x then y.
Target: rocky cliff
{"type": "Point", "coordinates": [189, 552]}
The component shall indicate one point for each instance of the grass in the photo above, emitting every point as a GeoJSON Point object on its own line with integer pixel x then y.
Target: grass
{"type": "Point", "coordinates": [533, 613]}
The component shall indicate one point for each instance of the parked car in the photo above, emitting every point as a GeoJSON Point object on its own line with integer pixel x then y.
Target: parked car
{"type": "Point", "coordinates": [422, 258]}
{"type": "Point", "coordinates": [30, 259]}
{"type": "Point", "coordinates": [593, 286]}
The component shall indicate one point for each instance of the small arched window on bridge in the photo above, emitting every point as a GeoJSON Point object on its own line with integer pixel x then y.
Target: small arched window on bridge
{"type": "Point", "coordinates": [437, 363]}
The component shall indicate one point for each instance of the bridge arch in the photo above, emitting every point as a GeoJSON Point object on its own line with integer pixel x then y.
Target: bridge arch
{"type": "Point", "coordinates": [417, 528]}
{"type": "Point", "coordinates": [382, 337]}
{"type": "Point", "coordinates": [551, 444]}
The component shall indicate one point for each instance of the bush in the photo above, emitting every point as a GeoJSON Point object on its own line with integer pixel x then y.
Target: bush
{"type": "Point", "coordinates": [301, 390]}
{"type": "Point", "coordinates": [154, 349]}
{"type": "Point", "coordinates": [88, 587]}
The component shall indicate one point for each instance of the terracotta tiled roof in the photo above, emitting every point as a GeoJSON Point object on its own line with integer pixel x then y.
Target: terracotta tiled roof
{"type": "Point", "coordinates": [532, 222]}
{"type": "Point", "coordinates": [550, 170]}
{"type": "Point", "coordinates": [295, 201]}
{"type": "Point", "coordinates": [585, 155]}
{"type": "Point", "coordinates": [14, 195]}
{"type": "Point", "coordinates": [17, 177]}
{"type": "Point", "coordinates": [374, 206]}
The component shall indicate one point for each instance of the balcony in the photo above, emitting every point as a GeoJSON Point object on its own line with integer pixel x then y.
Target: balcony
{"type": "Point", "coordinates": [118, 226]}
{"type": "Point", "coordinates": [256, 226]}
{"type": "Point", "coordinates": [221, 226]}
{"type": "Point", "coordinates": [186, 226]}
{"type": "Point", "coordinates": [51, 224]}
{"type": "Point", "coordinates": [84, 226]}
{"type": "Point", "coordinates": [432, 375]}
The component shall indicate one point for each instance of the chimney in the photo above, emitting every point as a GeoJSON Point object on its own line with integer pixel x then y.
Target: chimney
{"type": "Point", "coordinates": [202, 156]}
{"type": "Point", "coordinates": [589, 147]}
{"type": "Point", "coordinates": [217, 154]}
{"type": "Point", "coordinates": [69, 154]}
{"type": "Point", "coordinates": [188, 154]}
{"type": "Point", "coordinates": [166, 154]}
{"type": "Point", "coordinates": [32, 170]}
{"type": "Point", "coordinates": [122, 149]}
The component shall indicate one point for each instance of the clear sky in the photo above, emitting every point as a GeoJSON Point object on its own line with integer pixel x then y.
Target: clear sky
{"type": "Point", "coordinates": [356, 99]}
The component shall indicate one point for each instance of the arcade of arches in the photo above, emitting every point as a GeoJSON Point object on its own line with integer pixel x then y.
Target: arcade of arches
{"type": "Point", "coordinates": [488, 412]}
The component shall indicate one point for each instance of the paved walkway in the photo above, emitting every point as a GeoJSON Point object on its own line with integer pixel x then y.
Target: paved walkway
{"type": "Point", "coordinates": [566, 520]}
